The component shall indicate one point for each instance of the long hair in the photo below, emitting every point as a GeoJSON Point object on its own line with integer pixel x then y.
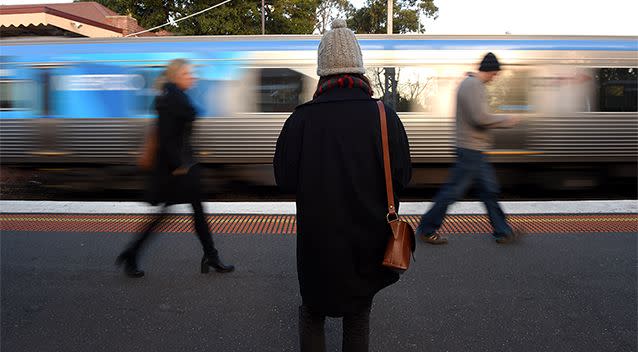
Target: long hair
{"type": "Point", "coordinates": [168, 75]}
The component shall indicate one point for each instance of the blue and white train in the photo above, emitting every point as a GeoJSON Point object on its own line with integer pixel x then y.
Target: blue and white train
{"type": "Point", "coordinates": [82, 105]}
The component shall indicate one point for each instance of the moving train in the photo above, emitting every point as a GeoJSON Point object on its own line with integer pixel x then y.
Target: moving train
{"type": "Point", "coordinates": [79, 108]}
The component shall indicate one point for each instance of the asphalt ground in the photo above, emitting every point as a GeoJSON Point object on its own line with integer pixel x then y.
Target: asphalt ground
{"type": "Point", "coordinates": [553, 292]}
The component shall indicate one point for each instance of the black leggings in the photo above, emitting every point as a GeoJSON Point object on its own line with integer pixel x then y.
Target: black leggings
{"type": "Point", "coordinates": [201, 229]}
{"type": "Point", "coordinates": [356, 331]}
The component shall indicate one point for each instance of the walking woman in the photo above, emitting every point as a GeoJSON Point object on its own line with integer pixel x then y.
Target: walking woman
{"type": "Point", "coordinates": [174, 178]}
{"type": "Point", "coordinates": [329, 155]}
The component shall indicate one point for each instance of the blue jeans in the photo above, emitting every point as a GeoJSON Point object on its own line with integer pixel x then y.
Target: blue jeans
{"type": "Point", "coordinates": [471, 167]}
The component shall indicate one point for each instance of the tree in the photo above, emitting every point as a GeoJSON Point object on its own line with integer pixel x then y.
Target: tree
{"type": "Point", "coordinates": [282, 16]}
{"type": "Point", "coordinates": [240, 17]}
{"type": "Point", "coordinates": [412, 94]}
{"type": "Point", "coordinates": [244, 17]}
{"type": "Point", "coordinates": [148, 13]}
{"type": "Point", "coordinates": [404, 94]}
{"type": "Point", "coordinates": [291, 16]}
{"type": "Point", "coordinates": [329, 10]}
{"type": "Point", "coordinates": [372, 18]}
{"type": "Point", "coordinates": [235, 17]}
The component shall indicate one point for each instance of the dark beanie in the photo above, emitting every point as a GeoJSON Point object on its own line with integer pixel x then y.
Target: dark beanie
{"type": "Point", "coordinates": [489, 63]}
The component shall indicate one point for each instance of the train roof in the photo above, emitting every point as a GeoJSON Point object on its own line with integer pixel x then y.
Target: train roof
{"type": "Point", "coordinates": [160, 49]}
{"type": "Point", "coordinates": [388, 42]}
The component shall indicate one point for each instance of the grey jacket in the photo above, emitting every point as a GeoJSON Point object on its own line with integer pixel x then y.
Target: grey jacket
{"type": "Point", "coordinates": [473, 122]}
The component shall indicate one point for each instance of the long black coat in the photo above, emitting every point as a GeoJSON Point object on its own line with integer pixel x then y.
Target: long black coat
{"type": "Point", "coordinates": [329, 154]}
{"type": "Point", "coordinates": [175, 124]}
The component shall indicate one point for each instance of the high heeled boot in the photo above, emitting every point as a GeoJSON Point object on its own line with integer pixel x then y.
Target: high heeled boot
{"type": "Point", "coordinates": [129, 260]}
{"type": "Point", "coordinates": [214, 261]}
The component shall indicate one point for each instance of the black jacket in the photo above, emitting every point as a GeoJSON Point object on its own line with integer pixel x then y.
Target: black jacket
{"type": "Point", "coordinates": [329, 154]}
{"type": "Point", "coordinates": [175, 120]}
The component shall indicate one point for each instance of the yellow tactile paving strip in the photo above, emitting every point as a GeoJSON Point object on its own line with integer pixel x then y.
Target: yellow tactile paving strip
{"type": "Point", "coordinates": [285, 224]}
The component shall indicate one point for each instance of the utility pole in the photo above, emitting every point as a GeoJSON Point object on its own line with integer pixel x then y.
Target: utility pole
{"type": "Point", "coordinates": [263, 17]}
{"type": "Point", "coordinates": [390, 3]}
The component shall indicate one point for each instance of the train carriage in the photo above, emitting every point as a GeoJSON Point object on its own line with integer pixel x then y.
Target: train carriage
{"type": "Point", "coordinates": [82, 104]}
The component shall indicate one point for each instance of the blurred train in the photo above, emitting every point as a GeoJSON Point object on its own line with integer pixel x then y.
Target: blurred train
{"type": "Point", "coordinates": [78, 108]}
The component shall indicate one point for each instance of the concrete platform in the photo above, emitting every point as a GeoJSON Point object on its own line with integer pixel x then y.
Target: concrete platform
{"type": "Point", "coordinates": [407, 208]}
{"type": "Point", "coordinates": [556, 292]}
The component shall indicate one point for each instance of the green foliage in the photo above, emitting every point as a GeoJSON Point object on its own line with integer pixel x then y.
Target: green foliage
{"type": "Point", "coordinates": [241, 17]}
{"type": "Point", "coordinates": [372, 18]}
{"type": "Point", "coordinates": [329, 10]}
{"type": "Point", "coordinates": [148, 13]}
{"type": "Point", "coordinates": [282, 16]}
{"type": "Point", "coordinates": [291, 16]}
{"type": "Point", "coordinates": [235, 17]}
{"type": "Point", "coordinates": [244, 17]}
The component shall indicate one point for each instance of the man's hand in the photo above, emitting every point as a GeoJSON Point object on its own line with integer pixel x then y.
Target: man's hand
{"type": "Point", "coordinates": [512, 121]}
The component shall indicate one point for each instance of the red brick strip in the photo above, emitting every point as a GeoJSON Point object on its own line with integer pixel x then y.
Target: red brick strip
{"type": "Point", "coordinates": [286, 224]}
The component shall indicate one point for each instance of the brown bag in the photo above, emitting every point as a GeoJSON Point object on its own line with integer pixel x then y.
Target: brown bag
{"type": "Point", "coordinates": [146, 161]}
{"type": "Point", "coordinates": [401, 244]}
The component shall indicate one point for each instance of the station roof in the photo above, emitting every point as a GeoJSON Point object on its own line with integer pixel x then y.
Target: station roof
{"type": "Point", "coordinates": [78, 19]}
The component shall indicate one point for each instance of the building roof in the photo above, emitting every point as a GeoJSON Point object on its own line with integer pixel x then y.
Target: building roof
{"type": "Point", "coordinates": [90, 10]}
{"type": "Point", "coordinates": [87, 13]}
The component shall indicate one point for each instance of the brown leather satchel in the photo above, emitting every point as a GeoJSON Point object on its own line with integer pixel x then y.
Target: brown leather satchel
{"type": "Point", "coordinates": [146, 161]}
{"type": "Point", "coordinates": [401, 244]}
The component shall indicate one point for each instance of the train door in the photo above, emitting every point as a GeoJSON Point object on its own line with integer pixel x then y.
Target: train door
{"type": "Point", "coordinates": [16, 87]}
{"type": "Point", "coordinates": [18, 118]}
{"type": "Point", "coordinates": [48, 131]}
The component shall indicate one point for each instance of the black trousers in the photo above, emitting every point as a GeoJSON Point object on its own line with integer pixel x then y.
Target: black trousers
{"type": "Point", "coordinates": [356, 331]}
{"type": "Point", "coordinates": [201, 229]}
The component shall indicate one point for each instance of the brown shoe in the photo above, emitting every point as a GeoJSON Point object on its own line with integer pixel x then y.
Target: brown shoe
{"type": "Point", "coordinates": [513, 237]}
{"type": "Point", "coordinates": [433, 239]}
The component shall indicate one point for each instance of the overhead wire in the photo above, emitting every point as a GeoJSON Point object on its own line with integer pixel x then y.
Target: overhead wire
{"type": "Point", "coordinates": [173, 22]}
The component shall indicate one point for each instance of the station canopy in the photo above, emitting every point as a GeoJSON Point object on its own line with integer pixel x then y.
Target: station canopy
{"type": "Point", "coordinates": [78, 19]}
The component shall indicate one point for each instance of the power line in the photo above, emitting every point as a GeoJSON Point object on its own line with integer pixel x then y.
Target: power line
{"type": "Point", "coordinates": [180, 19]}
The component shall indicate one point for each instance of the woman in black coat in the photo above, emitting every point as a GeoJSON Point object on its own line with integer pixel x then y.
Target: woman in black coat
{"type": "Point", "coordinates": [174, 178]}
{"type": "Point", "coordinates": [329, 155]}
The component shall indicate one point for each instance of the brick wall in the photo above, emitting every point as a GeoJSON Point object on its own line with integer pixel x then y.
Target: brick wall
{"type": "Point", "coordinates": [128, 23]}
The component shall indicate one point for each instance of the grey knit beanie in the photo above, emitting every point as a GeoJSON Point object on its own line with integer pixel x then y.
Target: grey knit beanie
{"type": "Point", "coordinates": [339, 51]}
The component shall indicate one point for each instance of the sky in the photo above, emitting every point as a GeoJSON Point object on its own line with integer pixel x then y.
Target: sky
{"type": "Point", "coordinates": [546, 17]}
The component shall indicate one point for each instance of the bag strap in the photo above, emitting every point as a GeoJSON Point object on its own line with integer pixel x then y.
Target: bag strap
{"type": "Point", "coordinates": [392, 213]}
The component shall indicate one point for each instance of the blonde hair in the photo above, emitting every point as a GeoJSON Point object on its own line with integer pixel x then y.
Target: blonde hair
{"type": "Point", "coordinates": [168, 75]}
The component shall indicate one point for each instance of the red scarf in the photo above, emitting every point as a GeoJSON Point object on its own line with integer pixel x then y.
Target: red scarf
{"type": "Point", "coordinates": [343, 81]}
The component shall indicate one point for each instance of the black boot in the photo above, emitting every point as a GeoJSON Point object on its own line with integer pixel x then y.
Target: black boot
{"type": "Point", "coordinates": [312, 336]}
{"type": "Point", "coordinates": [216, 263]}
{"type": "Point", "coordinates": [129, 260]}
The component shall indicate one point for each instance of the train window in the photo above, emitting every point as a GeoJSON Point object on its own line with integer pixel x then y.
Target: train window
{"type": "Point", "coordinates": [617, 89]}
{"type": "Point", "coordinates": [6, 102]}
{"type": "Point", "coordinates": [509, 91]}
{"type": "Point", "coordinates": [279, 89]}
{"type": "Point", "coordinates": [14, 95]}
{"type": "Point", "coordinates": [407, 89]}
{"type": "Point", "coordinates": [563, 89]}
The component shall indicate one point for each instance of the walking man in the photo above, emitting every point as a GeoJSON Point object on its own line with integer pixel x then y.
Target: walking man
{"type": "Point", "coordinates": [473, 124]}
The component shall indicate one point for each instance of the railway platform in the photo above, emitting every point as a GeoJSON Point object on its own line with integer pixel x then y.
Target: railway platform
{"type": "Point", "coordinates": [570, 284]}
